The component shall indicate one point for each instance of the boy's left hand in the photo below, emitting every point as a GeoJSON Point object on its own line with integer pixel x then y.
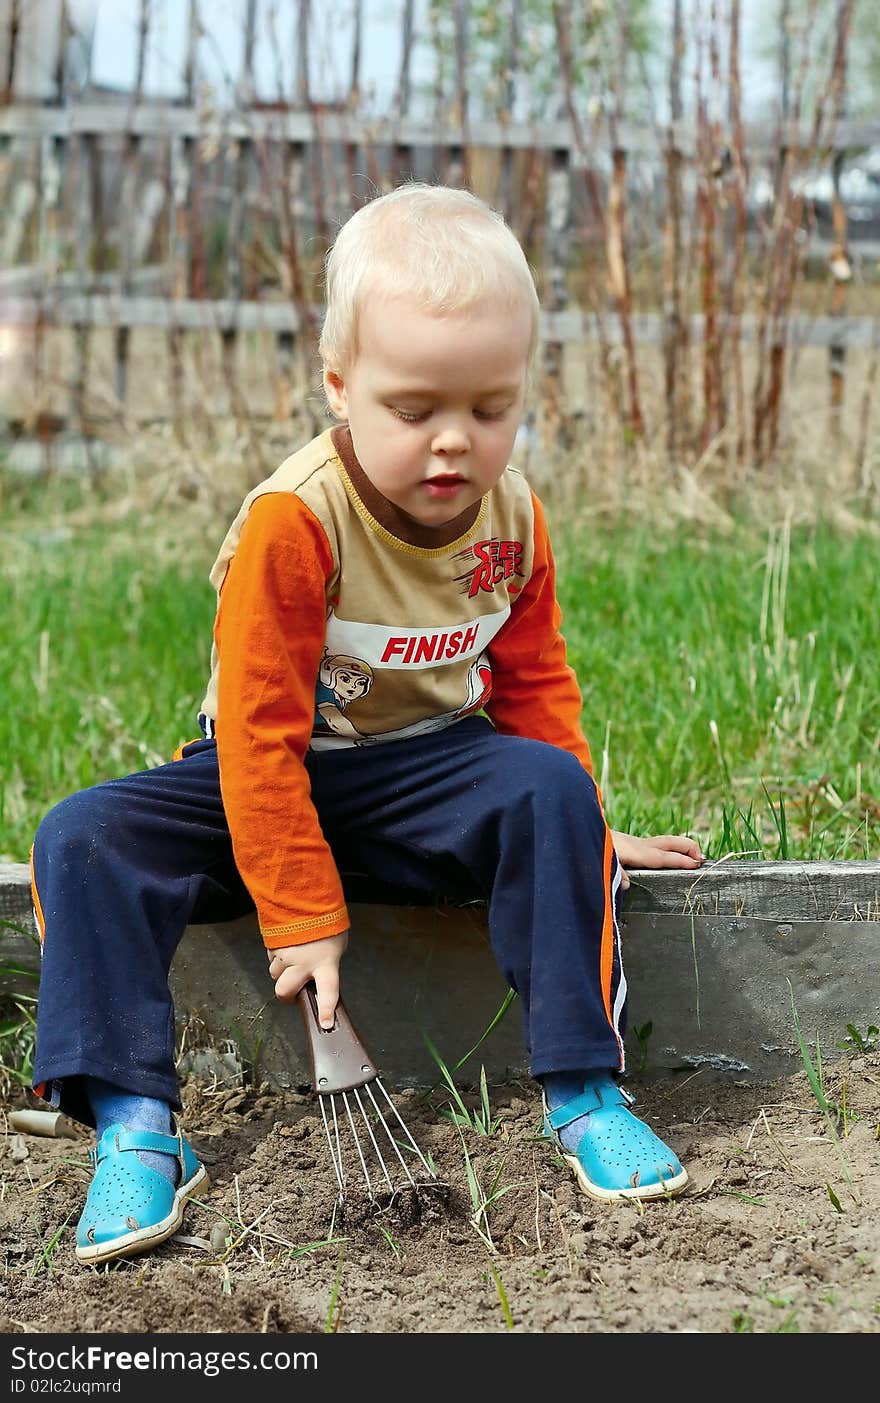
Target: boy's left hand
{"type": "Point", "coordinates": [669, 850]}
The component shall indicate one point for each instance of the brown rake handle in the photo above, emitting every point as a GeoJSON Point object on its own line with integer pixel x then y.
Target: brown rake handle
{"type": "Point", "coordinates": [339, 1059]}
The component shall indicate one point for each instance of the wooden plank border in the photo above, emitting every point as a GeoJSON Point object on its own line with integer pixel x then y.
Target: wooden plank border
{"type": "Point", "coordinates": [772, 891]}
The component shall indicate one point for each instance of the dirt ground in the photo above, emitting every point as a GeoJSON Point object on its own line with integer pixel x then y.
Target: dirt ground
{"type": "Point", "coordinates": [779, 1231]}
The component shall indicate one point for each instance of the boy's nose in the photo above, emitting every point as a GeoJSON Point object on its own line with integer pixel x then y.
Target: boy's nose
{"type": "Point", "coordinates": [450, 440]}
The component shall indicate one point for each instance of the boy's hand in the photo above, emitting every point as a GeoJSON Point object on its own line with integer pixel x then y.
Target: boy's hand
{"type": "Point", "coordinates": [292, 967]}
{"type": "Point", "coordinates": [669, 850]}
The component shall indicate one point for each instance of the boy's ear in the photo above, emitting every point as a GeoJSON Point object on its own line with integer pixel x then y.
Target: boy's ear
{"type": "Point", "coordinates": [334, 389]}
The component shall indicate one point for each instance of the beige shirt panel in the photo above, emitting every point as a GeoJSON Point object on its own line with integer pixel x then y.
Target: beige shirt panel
{"type": "Point", "coordinates": [409, 628]}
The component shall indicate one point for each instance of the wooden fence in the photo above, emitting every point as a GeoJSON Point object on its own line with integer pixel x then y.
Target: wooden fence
{"type": "Point", "coordinates": [129, 214]}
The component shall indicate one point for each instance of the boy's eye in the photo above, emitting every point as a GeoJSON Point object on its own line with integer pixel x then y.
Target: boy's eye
{"type": "Point", "coordinates": [418, 417]}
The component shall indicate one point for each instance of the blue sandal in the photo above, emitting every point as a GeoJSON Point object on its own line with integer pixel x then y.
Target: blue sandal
{"type": "Point", "coordinates": [130, 1207]}
{"type": "Point", "coordinates": [618, 1157]}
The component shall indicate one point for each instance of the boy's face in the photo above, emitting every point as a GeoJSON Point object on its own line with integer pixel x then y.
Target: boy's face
{"type": "Point", "coordinates": [433, 403]}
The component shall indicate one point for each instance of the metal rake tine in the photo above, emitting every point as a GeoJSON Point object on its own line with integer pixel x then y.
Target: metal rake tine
{"type": "Point", "coordinates": [378, 1081]}
{"type": "Point", "coordinates": [373, 1138]}
{"type": "Point", "coordinates": [391, 1140]}
{"type": "Point", "coordinates": [338, 1141]}
{"type": "Point", "coordinates": [337, 1165]}
{"type": "Point", "coordinates": [340, 1063]}
{"type": "Point", "coordinates": [358, 1146]}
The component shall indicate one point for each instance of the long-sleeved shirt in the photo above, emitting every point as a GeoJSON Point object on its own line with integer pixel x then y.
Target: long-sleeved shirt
{"type": "Point", "coordinates": [342, 622]}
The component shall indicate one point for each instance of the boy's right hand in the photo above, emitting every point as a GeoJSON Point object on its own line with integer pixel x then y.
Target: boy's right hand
{"type": "Point", "coordinates": [293, 966]}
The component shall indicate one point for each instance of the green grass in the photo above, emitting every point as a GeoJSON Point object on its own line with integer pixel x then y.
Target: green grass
{"type": "Point", "coordinates": [104, 654]}
{"type": "Point", "coordinates": [478, 1119]}
{"type": "Point", "coordinates": [731, 685]}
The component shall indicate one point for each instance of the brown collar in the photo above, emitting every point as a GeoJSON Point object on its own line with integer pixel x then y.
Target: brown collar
{"type": "Point", "coordinates": [395, 521]}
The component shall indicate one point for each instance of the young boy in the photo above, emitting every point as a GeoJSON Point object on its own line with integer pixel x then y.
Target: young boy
{"type": "Point", "coordinates": [389, 693]}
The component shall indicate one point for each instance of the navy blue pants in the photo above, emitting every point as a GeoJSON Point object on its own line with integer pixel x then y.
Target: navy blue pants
{"type": "Point", "coordinates": [463, 814]}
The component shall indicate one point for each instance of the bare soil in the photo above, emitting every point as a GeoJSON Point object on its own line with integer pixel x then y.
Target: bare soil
{"type": "Point", "coordinates": [779, 1231]}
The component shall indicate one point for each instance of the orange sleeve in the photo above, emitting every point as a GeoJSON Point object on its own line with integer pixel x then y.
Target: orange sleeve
{"type": "Point", "coordinates": [269, 632]}
{"type": "Point", "coordinates": [534, 691]}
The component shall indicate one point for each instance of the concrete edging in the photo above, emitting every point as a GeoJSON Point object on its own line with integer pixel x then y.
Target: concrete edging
{"type": "Point", "coordinates": [713, 961]}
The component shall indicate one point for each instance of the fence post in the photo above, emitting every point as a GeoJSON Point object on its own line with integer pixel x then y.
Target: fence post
{"type": "Point", "coordinates": [841, 272]}
{"type": "Point", "coordinates": [180, 156]}
{"type": "Point", "coordinates": [511, 65]}
{"type": "Point", "coordinates": [284, 351]}
{"type": "Point", "coordinates": [238, 159]}
{"type": "Point", "coordinates": [11, 52]}
{"type": "Point", "coordinates": [84, 184]}
{"type": "Point", "coordinates": [402, 165]}
{"type": "Point", "coordinates": [190, 69]}
{"type": "Point", "coordinates": [736, 282]}
{"type": "Point", "coordinates": [61, 55]}
{"type": "Point", "coordinates": [51, 149]}
{"type": "Point", "coordinates": [557, 212]}
{"type": "Point", "coordinates": [459, 172]}
{"type": "Point", "coordinates": [127, 201]}
{"type": "Point", "coordinates": [841, 269]}
{"type": "Point", "coordinates": [17, 158]}
{"type": "Point", "coordinates": [180, 180]}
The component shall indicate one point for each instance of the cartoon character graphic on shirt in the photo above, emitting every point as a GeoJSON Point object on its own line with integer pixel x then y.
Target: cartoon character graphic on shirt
{"type": "Point", "coordinates": [478, 688]}
{"type": "Point", "coordinates": [341, 680]}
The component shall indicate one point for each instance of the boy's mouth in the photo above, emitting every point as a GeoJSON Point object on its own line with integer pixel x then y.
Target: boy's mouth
{"type": "Point", "coordinates": [444, 484]}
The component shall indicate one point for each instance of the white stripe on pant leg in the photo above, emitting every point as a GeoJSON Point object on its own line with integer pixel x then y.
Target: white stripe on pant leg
{"type": "Point", "coordinates": [620, 997]}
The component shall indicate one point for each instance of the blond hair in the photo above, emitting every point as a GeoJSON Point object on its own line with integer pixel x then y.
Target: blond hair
{"type": "Point", "coordinates": [444, 248]}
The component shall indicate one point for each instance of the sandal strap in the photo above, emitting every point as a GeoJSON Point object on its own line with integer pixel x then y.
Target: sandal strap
{"type": "Point", "coordinates": [589, 1100]}
{"type": "Point", "coordinates": [150, 1140]}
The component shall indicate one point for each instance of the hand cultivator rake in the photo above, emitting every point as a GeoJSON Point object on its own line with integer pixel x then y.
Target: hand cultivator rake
{"type": "Point", "coordinates": [360, 1137]}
